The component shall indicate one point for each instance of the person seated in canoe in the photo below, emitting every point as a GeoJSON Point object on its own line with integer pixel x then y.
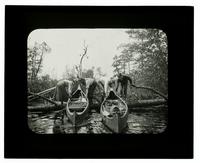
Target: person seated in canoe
{"type": "Point", "coordinates": [111, 100]}
{"type": "Point", "coordinates": [114, 107]}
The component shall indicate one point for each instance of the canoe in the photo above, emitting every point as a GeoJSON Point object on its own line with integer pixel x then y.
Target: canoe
{"type": "Point", "coordinates": [114, 111]}
{"type": "Point", "coordinates": [77, 106]}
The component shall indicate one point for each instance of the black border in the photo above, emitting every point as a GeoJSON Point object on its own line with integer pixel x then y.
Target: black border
{"type": "Point", "coordinates": [175, 142]}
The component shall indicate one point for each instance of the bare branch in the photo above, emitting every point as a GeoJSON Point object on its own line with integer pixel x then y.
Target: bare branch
{"type": "Point", "coordinates": [85, 47]}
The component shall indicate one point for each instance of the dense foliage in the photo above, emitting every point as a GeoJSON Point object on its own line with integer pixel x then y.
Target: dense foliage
{"type": "Point", "coordinates": [41, 83]}
{"type": "Point", "coordinates": [145, 58]}
{"type": "Point", "coordinates": [35, 57]}
{"type": "Point", "coordinates": [34, 67]}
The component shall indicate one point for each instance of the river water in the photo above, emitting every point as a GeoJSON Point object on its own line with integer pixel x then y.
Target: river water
{"type": "Point", "coordinates": [140, 120]}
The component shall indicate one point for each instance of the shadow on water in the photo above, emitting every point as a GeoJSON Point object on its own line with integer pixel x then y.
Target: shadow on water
{"type": "Point", "coordinates": [140, 120]}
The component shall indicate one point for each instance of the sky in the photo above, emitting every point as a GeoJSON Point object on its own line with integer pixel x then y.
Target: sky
{"type": "Point", "coordinates": [67, 45]}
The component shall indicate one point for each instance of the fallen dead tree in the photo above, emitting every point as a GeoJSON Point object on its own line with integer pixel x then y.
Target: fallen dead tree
{"type": "Point", "coordinates": [58, 106]}
{"type": "Point", "coordinates": [37, 95]}
{"type": "Point", "coordinates": [153, 90]}
{"type": "Point", "coordinates": [47, 108]}
{"type": "Point", "coordinates": [145, 103]}
{"type": "Point", "coordinates": [55, 105]}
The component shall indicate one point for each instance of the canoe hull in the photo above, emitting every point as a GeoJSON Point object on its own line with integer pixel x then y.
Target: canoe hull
{"type": "Point", "coordinates": [115, 121]}
{"type": "Point", "coordinates": [75, 117]}
{"type": "Point", "coordinates": [116, 124]}
{"type": "Point", "coordinates": [76, 108]}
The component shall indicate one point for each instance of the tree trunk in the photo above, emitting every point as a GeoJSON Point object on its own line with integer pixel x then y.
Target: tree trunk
{"type": "Point", "coordinates": [153, 90]}
{"type": "Point", "coordinates": [129, 69]}
{"type": "Point", "coordinates": [52, 107]}
{"type": "Point", "coordinates": [46, 108]}
{"type": "Point", "coordinates": [31, 97]}
{"type": "Point", "coordinates": [53, 102]}
{"type": "Point", "coordinates": [151, 102]}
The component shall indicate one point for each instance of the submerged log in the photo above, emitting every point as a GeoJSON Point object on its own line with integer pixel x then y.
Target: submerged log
{"type": "Point", "coordinates": [59, 106]}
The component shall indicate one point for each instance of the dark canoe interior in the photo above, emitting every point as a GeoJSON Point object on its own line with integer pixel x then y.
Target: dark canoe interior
{"type": "Point", "coordinates": [78, 102]}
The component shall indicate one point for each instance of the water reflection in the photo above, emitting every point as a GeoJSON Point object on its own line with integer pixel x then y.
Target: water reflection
{"type": "Point", "coordinates": [148, 120]}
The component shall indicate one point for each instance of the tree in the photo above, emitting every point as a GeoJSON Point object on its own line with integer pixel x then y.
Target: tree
{"type": "Point", "coordinates": [99, 73]}
{"type": "Point", "coordinates": [82, 57]}
{"type": "Point", "coordinates": [116, 64]}
{"type": "Point", "coordinates": [34, 61]}
{"type": "Point", "coordinates": [70, 73]}
{"type": "Point", "coordinates": [41, 83]}
{"type": "Point", "coordinates": [88, 73]}
{"type": "Point", "coordinates": [35, 58]}
{"type": "Point", "coordinates": [147, 58]}
{"type": "Point", "coordinates": [67, 73]}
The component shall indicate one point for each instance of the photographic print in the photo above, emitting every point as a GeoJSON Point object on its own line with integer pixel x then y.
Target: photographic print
{"type": "Point", "coordinates": [97, 81]}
